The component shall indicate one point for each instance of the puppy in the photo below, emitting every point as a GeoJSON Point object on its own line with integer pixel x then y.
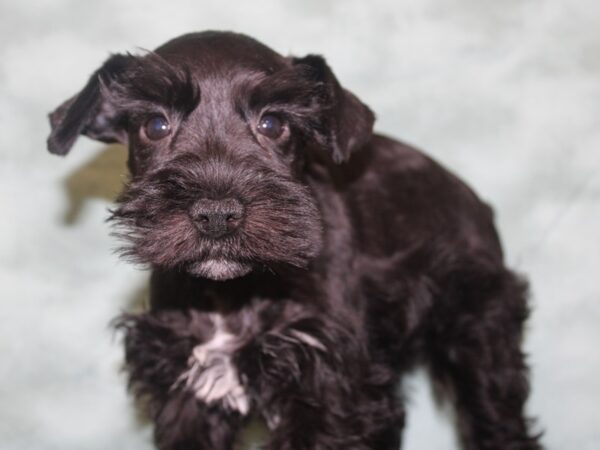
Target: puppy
{"type": "Point", "coordinates": [300, 263]}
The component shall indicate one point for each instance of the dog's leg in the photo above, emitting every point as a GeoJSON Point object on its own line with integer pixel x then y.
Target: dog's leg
{"type": "Point", "coordinates": [476, 352]}
{"type": "Point", "coordinates": [157, 354]}
{"type": "Point", "coordinates": [182, 422]}
{"type": "Point", "coordinates": [318, 390]}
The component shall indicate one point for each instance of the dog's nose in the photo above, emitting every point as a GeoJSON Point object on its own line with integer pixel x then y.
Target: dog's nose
{"type": "Point", "coordinates": [216, 218]}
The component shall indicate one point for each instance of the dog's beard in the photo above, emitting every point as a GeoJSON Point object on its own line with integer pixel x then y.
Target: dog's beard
{"type": "Point", "coordinates": [281, 223]}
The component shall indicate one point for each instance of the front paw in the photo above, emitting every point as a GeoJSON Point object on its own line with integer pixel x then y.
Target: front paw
{"type": "Point", "coordinates": [157, 348]}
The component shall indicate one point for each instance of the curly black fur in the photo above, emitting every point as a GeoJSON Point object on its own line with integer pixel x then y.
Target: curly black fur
{"type": "Point", "coordinates": [328, 282]}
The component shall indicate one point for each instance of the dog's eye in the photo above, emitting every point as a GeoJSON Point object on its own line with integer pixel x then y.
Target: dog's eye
{"type": "Point", "coordinates": [157, 128]}
{"type": "Point", "coordinates": [270, 126]}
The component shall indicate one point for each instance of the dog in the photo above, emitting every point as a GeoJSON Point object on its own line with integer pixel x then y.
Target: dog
{"type": "Point", "coordinates": [300, 262]}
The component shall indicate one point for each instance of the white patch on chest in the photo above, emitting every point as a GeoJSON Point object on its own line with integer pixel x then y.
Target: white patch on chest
{"type": "Point", "coordinates": [212, 376]}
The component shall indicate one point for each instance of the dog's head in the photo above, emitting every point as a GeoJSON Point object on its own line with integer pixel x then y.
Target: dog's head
{"type": "Point", "coordinates": [220, 131]}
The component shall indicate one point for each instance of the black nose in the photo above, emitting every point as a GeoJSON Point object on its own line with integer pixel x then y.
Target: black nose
{"type": "Point", "coordinates": [216, 218]}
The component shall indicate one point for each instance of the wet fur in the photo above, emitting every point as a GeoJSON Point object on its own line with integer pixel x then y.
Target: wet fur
{"type": "Point", "coordinates": [359, 270]}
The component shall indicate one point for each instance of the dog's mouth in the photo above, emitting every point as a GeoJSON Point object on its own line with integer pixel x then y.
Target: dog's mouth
{"type": "Point", "coordinates": [218, 269]}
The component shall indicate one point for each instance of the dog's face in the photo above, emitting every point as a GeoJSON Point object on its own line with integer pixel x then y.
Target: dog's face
{"type": "Point", "coordinates": [220, 131]}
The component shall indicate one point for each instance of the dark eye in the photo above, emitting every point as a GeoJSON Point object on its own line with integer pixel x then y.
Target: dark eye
{"type": "Point", "coordinates": [157, 128]}
{"type": "Point", "coordinates": [270, 126]}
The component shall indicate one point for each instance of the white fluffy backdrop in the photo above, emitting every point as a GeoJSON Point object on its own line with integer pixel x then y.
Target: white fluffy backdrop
{"type": "Point", "coordinates": [505, 93]}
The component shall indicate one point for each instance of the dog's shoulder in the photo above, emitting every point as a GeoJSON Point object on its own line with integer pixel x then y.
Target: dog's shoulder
{"type": "Point", "coordinates": [393, 167]}
{"type": "Point", "coordinates": [403, 196]}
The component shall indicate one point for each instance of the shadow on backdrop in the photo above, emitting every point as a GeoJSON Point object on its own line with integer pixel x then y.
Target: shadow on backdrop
{"type": "Point", "coordinates": [102, 177]}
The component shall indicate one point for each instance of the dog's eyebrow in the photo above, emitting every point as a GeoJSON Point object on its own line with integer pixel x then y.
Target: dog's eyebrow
{"type": "Point", "coordinates": [289, 86]}
{"type": "Point", "coordinates": [152, 80]}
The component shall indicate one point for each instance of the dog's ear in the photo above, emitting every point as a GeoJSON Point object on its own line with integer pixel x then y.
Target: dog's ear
{"type": "Point", "coordinates": [89, 112]}
{"type": "Point", "coordinates": [348, 121]}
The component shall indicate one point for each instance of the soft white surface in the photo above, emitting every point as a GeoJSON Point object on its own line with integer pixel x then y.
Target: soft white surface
{"type": "Point", "coordinates": [506, 93]}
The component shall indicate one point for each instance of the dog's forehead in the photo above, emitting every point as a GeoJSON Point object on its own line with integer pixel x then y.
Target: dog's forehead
{"type": "Point", "coordinates": [211, 52]}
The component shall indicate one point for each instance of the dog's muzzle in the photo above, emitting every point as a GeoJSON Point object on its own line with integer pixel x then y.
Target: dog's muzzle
{"type": "Point", "coordinates": [214, 219]}
{"type": "Point", "coordinates": [218, 219]}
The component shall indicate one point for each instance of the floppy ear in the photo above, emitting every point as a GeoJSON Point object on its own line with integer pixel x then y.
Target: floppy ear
{"type": "Point", "coordinates": [348, 121]}
{"type": "Point", "coordinates": [88, 112]}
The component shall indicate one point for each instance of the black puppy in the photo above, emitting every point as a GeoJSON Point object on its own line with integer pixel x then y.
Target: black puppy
{"type": "Point", "coordinates": [300, 262]}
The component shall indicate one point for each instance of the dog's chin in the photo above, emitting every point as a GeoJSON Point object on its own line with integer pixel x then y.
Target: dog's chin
{"type": "Point", "coordinates": [218, 269]}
